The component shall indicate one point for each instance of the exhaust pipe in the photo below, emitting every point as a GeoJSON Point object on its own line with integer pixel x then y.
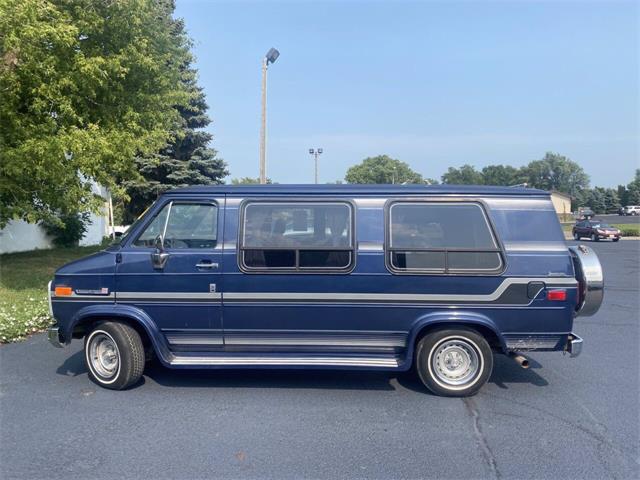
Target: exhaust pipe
{"type": "Point", "coordinates": [519, 359]}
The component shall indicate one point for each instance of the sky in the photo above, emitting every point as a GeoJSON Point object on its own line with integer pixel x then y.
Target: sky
{"type": "Point", "coordinates": [434, 84]}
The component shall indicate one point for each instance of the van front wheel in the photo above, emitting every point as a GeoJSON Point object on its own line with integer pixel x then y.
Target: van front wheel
{"type": "Point", "coordinates": [454, 362]}
{"type": "Point", "coordinates": [114, 354]}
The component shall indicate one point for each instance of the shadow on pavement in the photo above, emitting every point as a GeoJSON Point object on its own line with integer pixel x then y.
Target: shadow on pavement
{"type": "Point", "coordinates": [505, 371]}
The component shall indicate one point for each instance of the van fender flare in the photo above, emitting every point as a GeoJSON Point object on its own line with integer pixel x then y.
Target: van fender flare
{"type": "Point", "coordinates": [450, 318]}
{"type": "Point", "coordinates": [127, 312]}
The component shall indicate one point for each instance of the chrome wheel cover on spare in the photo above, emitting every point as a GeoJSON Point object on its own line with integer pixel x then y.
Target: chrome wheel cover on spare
{"type": "Point", "coordinates": [455, 363]}
{"type": "Point", "coordinates": [103, 355]}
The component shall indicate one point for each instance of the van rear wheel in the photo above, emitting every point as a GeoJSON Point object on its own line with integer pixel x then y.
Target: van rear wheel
{"type": "Point", "coordinates": [114, 354]}
{"type": "Point", "coordinates": [454, 362]}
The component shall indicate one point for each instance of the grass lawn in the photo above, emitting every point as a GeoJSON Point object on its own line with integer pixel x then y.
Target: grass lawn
{"type": "Point", "coordinates": [23, 288]}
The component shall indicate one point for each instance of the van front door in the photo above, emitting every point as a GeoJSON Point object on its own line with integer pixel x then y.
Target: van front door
{"type": "Point", "coordinates": [171, 271]}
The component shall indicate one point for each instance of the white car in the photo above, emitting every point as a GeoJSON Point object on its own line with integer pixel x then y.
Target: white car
{"type": "Point", "coordinates": [632, 210]}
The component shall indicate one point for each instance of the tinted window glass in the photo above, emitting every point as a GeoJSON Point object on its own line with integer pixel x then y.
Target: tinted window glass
{"type": "Point", "coordinates": [297, 225]}
{"type": "Point", "coordinates": [324, 259]}
{"type": "Point", "coordinates": [190, 225]}
{"type": "Point", "coordinates": [441, 238]}
{"type": "Point", "coordinates": [527, 225]}
{"type": "Point", "coordinates": [270, 258]}
{"type": "Point", "coordinates": [438, 226]}
{"type": "Point", "coordinates": [309, 235]}
{"type": "Point", "coordinates": [473, 261]}
{"type": "Point", "coordinates": [418, 260]}
{"type": "Point", "coordinates": [155, 228]}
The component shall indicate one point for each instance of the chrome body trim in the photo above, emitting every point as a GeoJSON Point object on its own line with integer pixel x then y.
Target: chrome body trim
{"type": "Point", "coordinates": [127, 297]}
{"type": "Point", "coordinates": [590, 278]}
{"type": "Point", "coordinates": [274, 360]}
{"type": "Point", "coordinates": [54, 337]}
{"type": "Point", "coordinates": [181, 340]}
{"type": "Point", "coordinates": [532, 342]}
{"type": "Point", "coordinates": [49, 299]}
{"type": "Point", "coordinates": [574, 345]}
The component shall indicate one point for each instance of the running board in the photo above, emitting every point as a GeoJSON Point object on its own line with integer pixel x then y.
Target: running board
{"type": "Point", "coordinates": [285, 360]}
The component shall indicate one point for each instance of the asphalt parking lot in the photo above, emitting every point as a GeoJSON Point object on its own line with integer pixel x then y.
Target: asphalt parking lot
{"type": "Point", "coordinates": [563, 418]}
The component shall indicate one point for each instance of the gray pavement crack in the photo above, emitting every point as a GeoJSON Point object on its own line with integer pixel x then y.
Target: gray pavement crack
{"type": "Point", "coordinates": [487, 453]}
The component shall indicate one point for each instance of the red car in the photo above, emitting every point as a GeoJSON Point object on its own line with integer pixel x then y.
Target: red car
{"type": "Point", "coordinates": [595, 230]}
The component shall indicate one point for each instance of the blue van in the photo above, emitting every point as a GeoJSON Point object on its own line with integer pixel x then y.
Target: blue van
{"type": "Point", "coordinates": [375, 277]}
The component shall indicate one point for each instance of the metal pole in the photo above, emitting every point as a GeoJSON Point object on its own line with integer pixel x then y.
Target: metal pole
{"type": "Point", "coordinates": [316, 159]}
{"type": "Point", "coordinates": [263, 126]}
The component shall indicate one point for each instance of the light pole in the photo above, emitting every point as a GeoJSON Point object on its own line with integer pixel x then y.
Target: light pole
{"type": "Point", "coordinates": [315, 153]}
{"type": "Point", "coordinates": [271, 56]}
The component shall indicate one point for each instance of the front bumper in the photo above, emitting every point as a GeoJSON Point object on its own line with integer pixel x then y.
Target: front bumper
{"type": "Point", "coordinates": [574, 345]}
{"type": "Point", "coordinates": [54, 337]}
{"type": "Point", "coordinates": [607, 236]}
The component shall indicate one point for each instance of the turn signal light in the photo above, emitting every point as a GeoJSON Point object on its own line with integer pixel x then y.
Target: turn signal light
{"type": "Point", "coordinates": [557, 295]}
{"type": "Point", "coordinates": [63, 291]}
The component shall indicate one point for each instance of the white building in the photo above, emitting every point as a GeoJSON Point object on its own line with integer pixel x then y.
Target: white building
{"type": "Point", "coordinates": [20, 236]}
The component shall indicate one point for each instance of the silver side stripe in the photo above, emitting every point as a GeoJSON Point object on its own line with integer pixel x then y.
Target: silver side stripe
{"type": "Point", "coordinates": [325, 341]}
{"type": "Point", "coordinates": [128, 297]}
{"type": "Point", "coordinates": [537, 247]}
{"type": "Point", "coordinates": [398, 297]}
{"type": "Point", "coordinates": [76, 297]}
{"type": "Point", "coordinates": [381, 362]}
{"type": "Point", "coordinates": [194, 340]}
{"type": "Point", "coordinates": [167, 296]}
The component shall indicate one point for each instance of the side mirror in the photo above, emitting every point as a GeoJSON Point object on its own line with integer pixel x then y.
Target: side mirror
{"type": "Point", "coordinates": [159, 257]}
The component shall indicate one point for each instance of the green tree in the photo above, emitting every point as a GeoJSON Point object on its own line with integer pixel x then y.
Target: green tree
{"type": "Point", "coordinates": [633, 190]}
{"type": "Point", "coordinates": [85, 86]}
{"type": "Point", "coordinates": [382, 169]}
{"type": "Point", "coordinates": [611, 200]}
{"type": "Point", "coordinates": [556, 172]}
{"type": "Point", "coordinates": [248, 181]}
{"type": "Point", "coordinates": [505, 175]}
{"type": "Point", "coordinates": [465, 175]}
{"type": "Point", "coordinates": [187, 159]}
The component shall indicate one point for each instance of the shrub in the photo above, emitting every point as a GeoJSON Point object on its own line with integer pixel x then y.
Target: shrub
{"type": "Point", "coordinates": [630, 232]}
{"type": "Point", "coordinates": [67, 229]}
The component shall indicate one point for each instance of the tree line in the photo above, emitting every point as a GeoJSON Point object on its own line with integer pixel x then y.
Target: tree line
{"type": "Point", "coordinates": [552, 172]}
{"type": "Point", "coordinates": [107, 93]}
{"type": "Point", "coordinates": [97, 93]}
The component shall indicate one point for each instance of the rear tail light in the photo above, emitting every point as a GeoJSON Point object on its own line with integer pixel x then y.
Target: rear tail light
{"type": "Point", "coordinates": [557, 295]}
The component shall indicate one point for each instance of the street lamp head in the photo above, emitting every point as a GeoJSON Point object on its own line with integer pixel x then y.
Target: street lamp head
{"type": "Point", "coordinates": [320, 151]}
{"type": "Point", "coordinates": [272, 55]}
{"type": "Point", "coordinates": [311, 151]}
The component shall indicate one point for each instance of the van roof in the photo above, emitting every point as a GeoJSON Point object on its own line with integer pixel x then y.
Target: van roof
{"type": "Point", "coordinates": [359, 189]}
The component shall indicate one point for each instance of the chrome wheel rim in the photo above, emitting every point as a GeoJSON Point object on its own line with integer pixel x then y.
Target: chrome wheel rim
{"type": "Point", "coordinates": [455, 362]}
{"type": "Point", "coordinates": [103, 355]}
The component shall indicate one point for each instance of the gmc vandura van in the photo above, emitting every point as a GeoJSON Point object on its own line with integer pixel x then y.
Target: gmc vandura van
{"type": "Point", "coordinates": [375, 277]}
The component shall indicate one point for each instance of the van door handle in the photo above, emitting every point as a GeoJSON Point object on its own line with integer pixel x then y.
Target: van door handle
{"type": "Point", "coordinates": [204, 264]}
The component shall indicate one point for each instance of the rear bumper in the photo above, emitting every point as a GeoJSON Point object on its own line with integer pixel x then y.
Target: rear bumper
{"type": "Point", "coordinates": [53, 334]}
{"type": "Point", "coordinates": [574, 345]}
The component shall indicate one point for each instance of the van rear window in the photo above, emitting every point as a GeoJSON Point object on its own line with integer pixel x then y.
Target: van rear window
{"type": "Point", "coordinates": [441, 238]}
{"type": "Point", "coordinates": [297, 236]}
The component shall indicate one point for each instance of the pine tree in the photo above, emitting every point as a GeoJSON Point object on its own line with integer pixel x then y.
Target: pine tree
{"type": "Point", "coordinates": [186, 160]}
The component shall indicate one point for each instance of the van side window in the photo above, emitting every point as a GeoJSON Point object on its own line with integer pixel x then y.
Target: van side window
{"type": "Point", "coordinates": [441, 238]}
{"type": "Point", "coordinates": [182, 225]}
{"type": "Point", "coordinates": [297, 236]}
